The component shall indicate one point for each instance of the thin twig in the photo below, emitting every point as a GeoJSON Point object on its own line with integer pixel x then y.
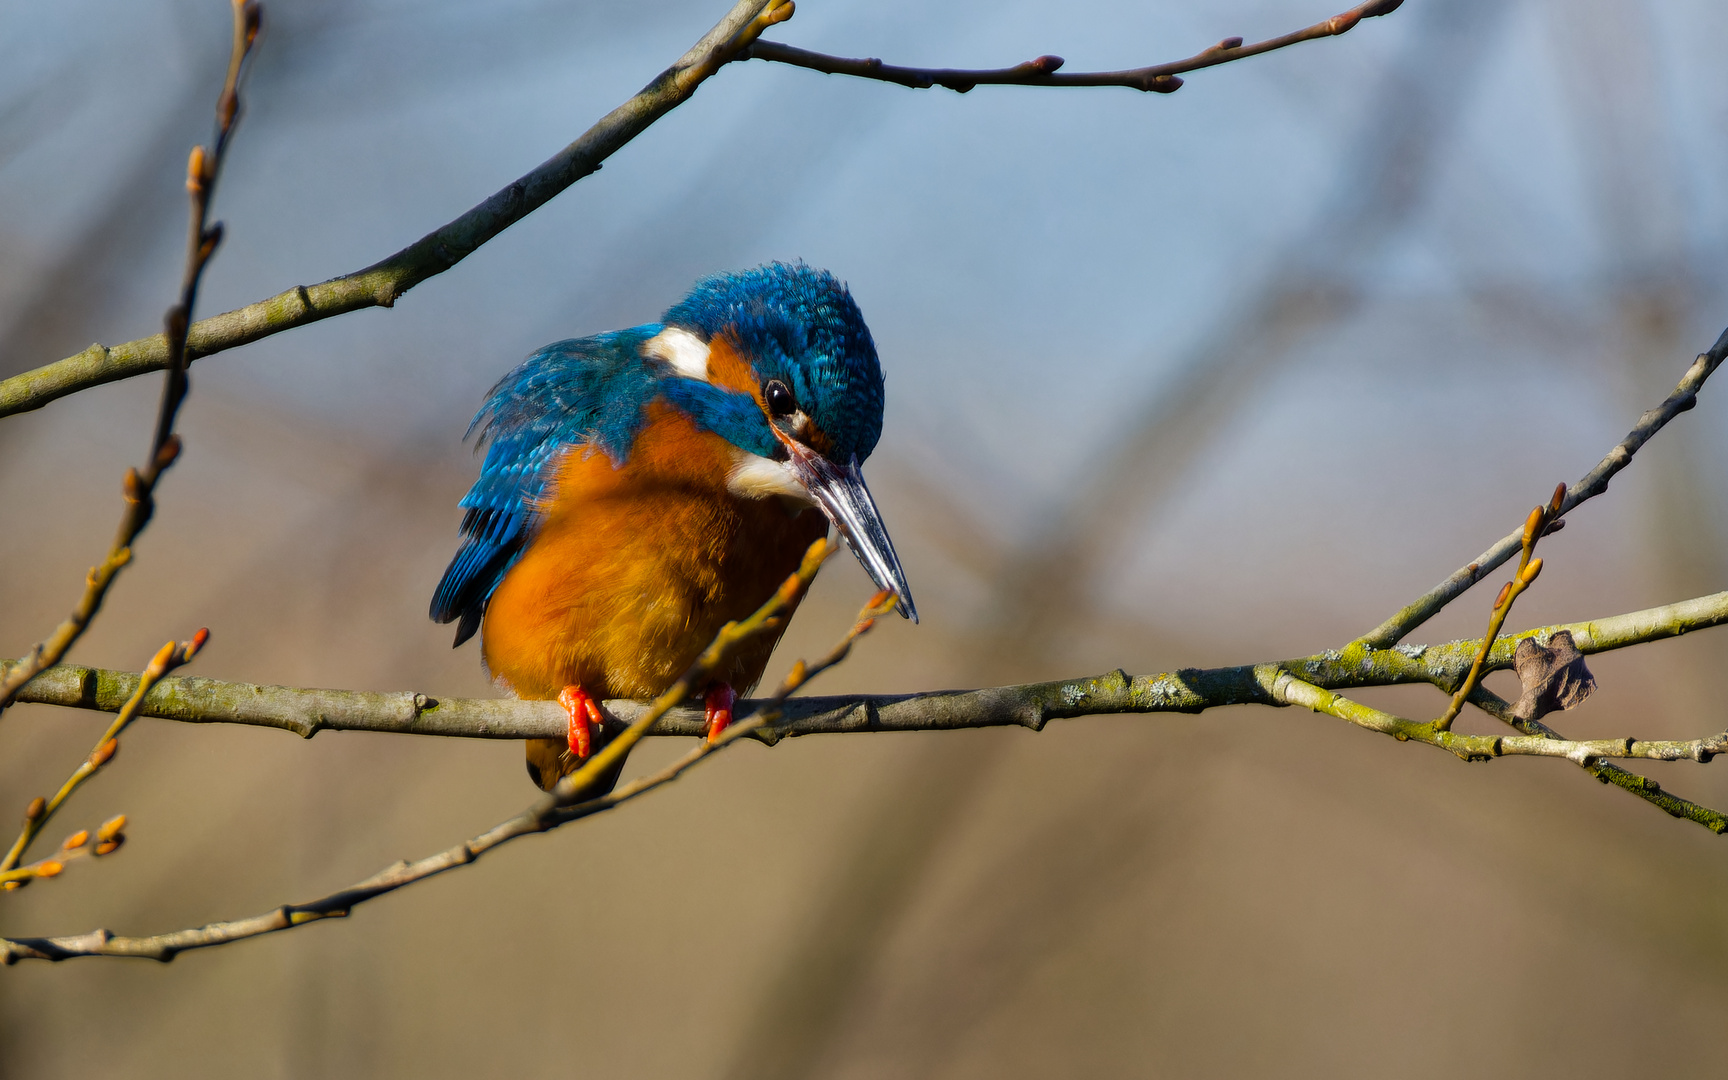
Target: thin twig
{"type": "Point", "coordinates": [1535, 526]}
{"type": "Point", "coordinates": [140, 485]}
{"type": "Point", "coordinates": [1593, 483]}
{"type": "Point", "coordinates": [170, 656]}
{"type": "Point", "coordinates": [109, 836]}
{"type": "Point", "coordinates": [1589, 755]}
{"type": "Point", "coordinates": [1043, 71]}
{"type": "Point", "coordinates": [382, 283]}
{"type": "Point", "coordinates": [556, 808]}
{"type": "Point", "coordinates": [1606, 771]}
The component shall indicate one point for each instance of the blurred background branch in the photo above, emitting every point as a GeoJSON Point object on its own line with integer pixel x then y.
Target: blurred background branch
{"type": "Point", "coordinates": [1109, 898]}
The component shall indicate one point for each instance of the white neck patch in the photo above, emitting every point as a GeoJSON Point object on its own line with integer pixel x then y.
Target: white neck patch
{"type": "Point", "coordinates": [681, 350]}
{"type": "Point", "coordinates": [756, 477]}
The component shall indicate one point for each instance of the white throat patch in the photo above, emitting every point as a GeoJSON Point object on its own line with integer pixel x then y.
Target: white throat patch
{"type": "Point", "coordinates": [681, 350]}
{"type": "Point", "coordinates": [756, 477]}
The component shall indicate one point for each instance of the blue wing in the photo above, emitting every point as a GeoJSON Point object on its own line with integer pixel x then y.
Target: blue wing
{"type": "Point", "coordinates": [587, 391]}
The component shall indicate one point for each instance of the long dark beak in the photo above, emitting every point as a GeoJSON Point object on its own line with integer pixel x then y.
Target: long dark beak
{"type": "Point", "coordinates": [840, 491]}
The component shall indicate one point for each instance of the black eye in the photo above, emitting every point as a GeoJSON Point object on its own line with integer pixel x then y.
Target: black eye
{"type": "Point", "coordinates": [779, 398]}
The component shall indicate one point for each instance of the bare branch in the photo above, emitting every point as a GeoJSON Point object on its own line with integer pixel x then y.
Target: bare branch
{"type": "Point", "coordinates": [1594, 483]}
{"type": "Point", "coordinates": [170, 656]}
{"type": "Point", "coordinates": [1043, 71]}
{"type": "Point", "coordinates": [1535, 526]}
{"type": "Point", "coordinates": [307, 712]}
{"type": "Point", "coordinates": [558, 807]}
{"type": "Point", "coordinates": [1589, 755]}
{"type": "Point", "coordinates": [140, 485]}
{"type": "Point", "coordinates": [380, 284]}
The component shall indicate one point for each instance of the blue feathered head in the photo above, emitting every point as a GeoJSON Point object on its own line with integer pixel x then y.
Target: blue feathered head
{"type": "Point", "coordinates": [799, 326]}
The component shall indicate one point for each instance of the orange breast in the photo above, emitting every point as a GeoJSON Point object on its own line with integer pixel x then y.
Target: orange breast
{"type": "Point", "coordinates": [635, 569]}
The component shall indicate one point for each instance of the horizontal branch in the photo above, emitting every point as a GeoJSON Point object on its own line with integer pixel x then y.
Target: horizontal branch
{"type": "Point", "coordinates": [382, 283]}
{"type": "Point", "coordinates": [307, 712]}
{"type": "Point", "coordinates": [1594, 483]}
{"type": "Point", "coordinates": [1159, 78]}
{"type": "Point", "coordinates": [562, 805]}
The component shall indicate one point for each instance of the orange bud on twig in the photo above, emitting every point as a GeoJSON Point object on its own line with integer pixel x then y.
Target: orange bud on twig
{"type": "Point", "coordinates": [111, 828]}
{"type": "Point", "coordinates": [49, 868]}
{"type": "Point", "coordinates": [35, 809]}
{"type": "Point", "coordinates": [104, 753]}
{"type": "Point", "coordinates": [163, 659]}
{"type": "Point", "coordinates": [1533, 527]}
{"type": "Point", "coordinates": [76, 840]}
{"type": "Point", "coordinates": [195, 170]}
{"type": "Point", "coordinates": [1505, 594]}
{"type": "Point", "coordinates": [1531, 571]}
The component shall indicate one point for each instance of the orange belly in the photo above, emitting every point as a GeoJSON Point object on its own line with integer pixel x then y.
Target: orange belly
{"type": "Point", "coordinates": [635, 569]}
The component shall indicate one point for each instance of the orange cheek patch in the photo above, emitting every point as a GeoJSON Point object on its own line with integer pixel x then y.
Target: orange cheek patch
{"type": "Point", "coordinates": [728, 368]}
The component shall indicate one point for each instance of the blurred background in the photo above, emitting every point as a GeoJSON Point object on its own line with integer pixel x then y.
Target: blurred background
{"type": "Point", "coordinates": [1208, 378]}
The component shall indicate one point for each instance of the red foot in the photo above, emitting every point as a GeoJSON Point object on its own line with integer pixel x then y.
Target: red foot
{"type": "Point", "coordinates": [717, 704]}
{"type": "Point", "coordinates": [584, 720]}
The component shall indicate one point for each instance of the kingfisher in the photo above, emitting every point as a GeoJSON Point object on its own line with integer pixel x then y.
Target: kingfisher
{"type": "Point", "coordinates": [643, 487]}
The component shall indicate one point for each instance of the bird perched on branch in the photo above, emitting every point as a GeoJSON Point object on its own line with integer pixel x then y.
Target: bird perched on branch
{"type": "Point", "coordinates": [641, 488]}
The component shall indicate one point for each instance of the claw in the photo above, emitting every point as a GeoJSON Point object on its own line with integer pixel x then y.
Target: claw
{"type": "Point", "coordinates": [584, 720]}
{"type": "Point", "coordinates": [717, 708]}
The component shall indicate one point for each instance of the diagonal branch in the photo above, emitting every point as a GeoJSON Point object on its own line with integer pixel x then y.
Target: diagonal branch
{"type": "Point", "coordinates": [1594, 483]}
{"type": "Point", "coordinates": [140, 485]}
{"type": "Point", "coordinates": [172, 655]}
{"type": "Point", "coordinates": [559, 807]}
{"type": "Point", "coordinates": [1043, 71]}
{"type": "Point", "coordinates": [735, 37]}
{"type": "Point", "coordinates": [1588, 755]}
{"type": "Point", "coordinates": [380, 284]}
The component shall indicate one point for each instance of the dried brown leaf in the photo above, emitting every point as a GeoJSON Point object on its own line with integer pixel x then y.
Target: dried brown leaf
{"type": "Point", "coordinates": [1554, 678]}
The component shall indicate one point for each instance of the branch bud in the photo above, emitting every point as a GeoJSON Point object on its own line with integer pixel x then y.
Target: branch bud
{"type": "Point", "coordinates": [1533, 526]}
{"type": "Point", "coordinates": [1338, 24]}
{"type": "Point", "coordinates": [1531, 571]}
{"type": "Point", "coordinates": [104, 753]}
{"type": "Point", "coordinates": [1505, 593]}
{"type": "Point", "coordinates": [49, 868]}
{"type": "Point", "coordinates": [110, 829]}
{"type": "Point", "coordinates": [169, 453]}
{"type": "Point", "coordinates": [36, 808]}
{"type": "Point", "coordinates": [192, 647]}
{"type": "Point", "coordinates": [76, 840]}
{"type": "Point", "coordinates": [1227, 44]}
{"type": "Point", "coordinates": [1559, 499]}
{"type": "Point", "coordinates": [208, 241]}
{"type": "Point", "coordinates": [163, 659]}
{"type": "Point", "coordinates": [195, 166]}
